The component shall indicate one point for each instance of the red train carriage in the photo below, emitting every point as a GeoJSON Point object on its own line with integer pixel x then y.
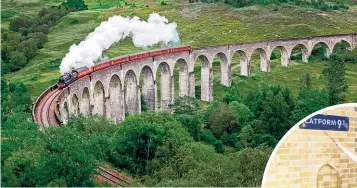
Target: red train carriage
{"type": "Point", "coordinates": [180, 49]}
{"type": "Point", "coordinates": [159, 52]}
{"type": "Point", "coordinates": [101, 65]}
{"type": "Point", "coordinates": [84, 71]}
{"type": "Point", "coordinates": [139, 56]}
{"type": "Point", "coordinates": [70, 77]}
{"type": "Point", "coordinates": [120, 60]}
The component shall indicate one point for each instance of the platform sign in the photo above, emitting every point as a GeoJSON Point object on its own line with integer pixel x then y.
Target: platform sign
{"type": "Point", "coordinates": [326, 122]}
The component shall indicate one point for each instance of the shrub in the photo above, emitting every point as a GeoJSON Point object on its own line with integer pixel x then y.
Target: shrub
{"type": "Point", "coordinates": [19, 22]}
{"type": "Point", "coordinates": [222, 120]}
{"type": "Point", "coordinates": [76, 5]}
{"type": "Point", "coordinates": [40, 38]}
{"type": "Point", "coordinates": [184, 105]}
{"type": "Point", "coordinates": [17, 60]}
{"type": "Point", "coordinates": [137, 139]}
{"type": "Point", "coordinates": [28, 47]}
{"type": "Point", "coordinates": [230, 140]}
{"type": "Point", "coordinates": [207, 137]}
{"type": "Point", "coordinates": [40, 28]}
{"type": "Point", "coordinates": [191, 123]}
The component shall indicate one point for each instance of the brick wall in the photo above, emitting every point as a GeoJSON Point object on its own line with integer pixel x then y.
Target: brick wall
{"type": "Point", "coordinates": [309, 158]}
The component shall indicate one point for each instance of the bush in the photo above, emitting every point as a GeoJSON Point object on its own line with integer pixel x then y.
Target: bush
{"type": "Point", "coordinates": [191, 123]}
{"type": "Point", "coordinates": [76, 5]}
{"type": "Point", "coordinates": [40, 28]}
{"type": "Point", "coordinates": [222, 120]}
{"type": "Point", "coordinates": [231, 140]}
{"type": "Point", "coordinates": [18, 23]}
{"type": "Point", "coordinates": [137, 139]}
{"type": "Point", "coordinates": [7, 14]}
{"type": "Point", "coordinates": [28, 47]}
{"type": "Point", "coordinates": [207, 137]}
{"type": "Point", "coordinates": [40, 38]}
{"type": "Point", "coordinates": [185, 105]}
{"type": "Point", "coordinates": [17, 60]}
{"type": "Point", "coordinates": [264, 140]}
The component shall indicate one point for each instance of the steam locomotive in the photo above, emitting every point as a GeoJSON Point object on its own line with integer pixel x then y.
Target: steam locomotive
{"type": "Point", "coordinates": [74, 75]}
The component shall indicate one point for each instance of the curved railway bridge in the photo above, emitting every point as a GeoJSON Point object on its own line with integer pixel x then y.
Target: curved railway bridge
{"type": "Point", "coordinates": [117, 90]}
{"type": "Point", "coordinates": [44, 114]}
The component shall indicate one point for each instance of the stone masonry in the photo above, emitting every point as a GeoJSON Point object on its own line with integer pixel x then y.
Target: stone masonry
{"type": "Point", "coordinates": [117, 90]}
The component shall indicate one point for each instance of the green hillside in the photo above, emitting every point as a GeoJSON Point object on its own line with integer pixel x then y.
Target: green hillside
{"type": "Point", "coordinates": [198, 24]}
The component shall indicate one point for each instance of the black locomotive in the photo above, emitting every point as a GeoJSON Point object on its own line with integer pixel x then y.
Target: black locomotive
{"type": "Point", "coordinates": [67, 78]}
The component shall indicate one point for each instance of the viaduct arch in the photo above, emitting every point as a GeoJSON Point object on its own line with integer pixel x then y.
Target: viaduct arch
{"type": "Point", "coordinates": [117, 90]}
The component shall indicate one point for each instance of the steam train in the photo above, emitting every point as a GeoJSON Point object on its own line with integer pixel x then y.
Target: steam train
{"type": "Point", "coordinates": [74, 75]}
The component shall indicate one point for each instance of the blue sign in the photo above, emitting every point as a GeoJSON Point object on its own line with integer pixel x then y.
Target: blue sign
{"type": "Point", "coordinates": [327, 122]}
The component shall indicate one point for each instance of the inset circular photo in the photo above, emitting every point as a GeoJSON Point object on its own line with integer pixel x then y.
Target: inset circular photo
{"type": "Point", "coordinates": [320, 151]}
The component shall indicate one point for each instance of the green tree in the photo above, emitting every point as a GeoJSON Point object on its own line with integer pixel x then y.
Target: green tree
{"type": "Point", "coordinates": [137, 139]}
{"type": "Point", "coordinates": [17, 60]}
{"type": "Point", "coordinates": [238, 169]}
{"type": "Point", "coordinates": [335, 79]}
{"type": "Point", "coordinates": [275, 115]}
{"type": "Point", "coordinates": [233, 94]}
{"type": "Point", "coordinates": [246, 136]}
{"type": "Point", "coordinates": [40, 39]}
{"type": "Point", "coordinates": [222, 120]}
{"type": "Point", "coordinates": [9, 43]}
{"type": "Point", "coordinates": [66, 158]}
{"type": "Point", "coordinates": [28, 47]}
{"type": "Point", "coordinates": [309, 101]}
{"type": "Point", "coordinates": [242, 112]}
{"type": "Point", "coordinates": [264, 140]}
{"type": "Point", "coordinates": [18, 23]}
{"type": "Point", "coordinates": [251, 164]}
{"type": "Point", "coordinates": [192, 124]}
{"type": "Point", "coordinates": [207, 137]}
{"type": "Point", "coordinates": [40, 28]}
{"type": "Point", "coordinates": [185, 105]}
{"type": "Point", "coordinates": [76, 4]}
{"type": "Point", "coordinates": [231, 140]}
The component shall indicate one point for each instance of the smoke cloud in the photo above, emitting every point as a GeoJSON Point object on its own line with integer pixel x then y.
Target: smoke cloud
{"type": "Point", "coordinates": [156, 29]}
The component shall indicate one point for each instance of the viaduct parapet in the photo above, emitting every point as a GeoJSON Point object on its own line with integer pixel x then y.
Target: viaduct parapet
{"type": "Point", "coordinates": [117, 90]}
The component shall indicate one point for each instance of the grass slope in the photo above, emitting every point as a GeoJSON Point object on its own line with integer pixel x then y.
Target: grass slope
{"type": "Point", "coordinates": [198, 25]}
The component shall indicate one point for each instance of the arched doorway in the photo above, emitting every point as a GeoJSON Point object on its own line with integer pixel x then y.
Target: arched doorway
{"type": "Point", "coordinates": [328, 176]}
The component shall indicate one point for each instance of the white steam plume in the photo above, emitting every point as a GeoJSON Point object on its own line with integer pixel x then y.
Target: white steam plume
{"type": "Point", "coordinates": [144, 33]}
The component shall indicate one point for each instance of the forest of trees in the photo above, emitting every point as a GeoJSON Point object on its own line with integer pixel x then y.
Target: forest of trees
{"type": "Point", "coordinates": [26, 35]}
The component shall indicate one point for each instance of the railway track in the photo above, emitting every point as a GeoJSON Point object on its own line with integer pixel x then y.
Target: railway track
{"type": "Point", "coordinates": [44, 108]}
{"type": "Point", "coordinates": [111, 176]}
{"type": "Point", "coordinates": [44, 115]}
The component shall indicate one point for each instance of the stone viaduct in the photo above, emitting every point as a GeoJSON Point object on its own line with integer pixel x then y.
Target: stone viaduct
{"type": "Point", "coordinates": [117, 90]}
